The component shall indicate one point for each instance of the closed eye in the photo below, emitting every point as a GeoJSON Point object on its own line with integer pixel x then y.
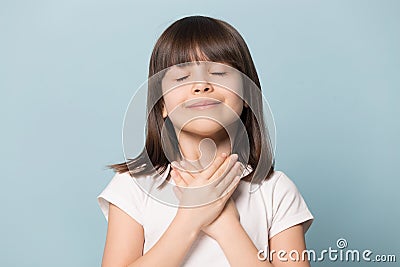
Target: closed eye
{"type": "Point", "coordinates": [182, 78]}
{"type": "Point", "coordinates": [219, 73]}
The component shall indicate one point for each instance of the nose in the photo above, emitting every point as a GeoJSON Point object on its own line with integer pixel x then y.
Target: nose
{"type": "Point", "coordinates": [201, 88]}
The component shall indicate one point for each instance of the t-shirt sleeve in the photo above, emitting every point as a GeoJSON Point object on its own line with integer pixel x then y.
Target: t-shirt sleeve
{"type": "Point", "coordinates": [123, 192]}
{"type": "Point", "coordinates": [289, 207]}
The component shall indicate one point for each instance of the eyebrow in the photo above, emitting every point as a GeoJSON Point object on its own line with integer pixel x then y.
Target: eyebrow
{"type": "Point", "coordinates": [186, 64]}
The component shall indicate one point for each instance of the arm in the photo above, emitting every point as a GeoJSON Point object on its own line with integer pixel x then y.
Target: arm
{"type": "Point", "coordinates": [125, 239]}
{"type": "Point", "coordinates": [172, 247]}
{"type": "Point", "coordinates": [288, 240]}
{"type": "Point", "coordinates": [287, 234]}
{"type": "Point", "coordinates": [240, 250]}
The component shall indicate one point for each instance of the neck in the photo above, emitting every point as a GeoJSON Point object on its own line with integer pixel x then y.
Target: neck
{"type": "Point", "coordinates": [200, 151]}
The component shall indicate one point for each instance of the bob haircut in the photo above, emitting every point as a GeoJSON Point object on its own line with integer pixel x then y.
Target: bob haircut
{"type": "Point", "coordinates": [201, 38]}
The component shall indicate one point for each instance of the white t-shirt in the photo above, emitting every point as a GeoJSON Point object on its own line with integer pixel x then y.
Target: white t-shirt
{"type": "Point", "coordinates": [275, 206]}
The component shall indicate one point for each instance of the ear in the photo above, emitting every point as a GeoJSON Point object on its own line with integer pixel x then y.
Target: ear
{"type": "Point", "coordinates": [164, 112]}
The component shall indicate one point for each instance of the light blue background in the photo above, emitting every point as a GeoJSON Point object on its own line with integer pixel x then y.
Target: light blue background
{"type": "Point", "coordinates": [329, 69]}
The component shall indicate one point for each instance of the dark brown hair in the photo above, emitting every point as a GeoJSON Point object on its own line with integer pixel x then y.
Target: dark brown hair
{"type": "Point", "coordinates": [200, 38]}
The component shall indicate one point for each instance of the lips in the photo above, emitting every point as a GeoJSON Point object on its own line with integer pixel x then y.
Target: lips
{"type": "Point", "coordinates": [203, 103]}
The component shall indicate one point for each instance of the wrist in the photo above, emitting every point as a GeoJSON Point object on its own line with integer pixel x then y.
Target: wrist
{"type": "Point", "coordinates": [230, 229]}
{"type": "Point", "coordinates": [186, 224]}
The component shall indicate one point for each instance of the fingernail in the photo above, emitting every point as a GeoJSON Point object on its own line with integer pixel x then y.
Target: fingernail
{"type": "Point", "coordinates": [174, 164]}
{"type": "Point", "coordinates": [237, 179]}
{"type": "Point", "coordinates": [241, 167]}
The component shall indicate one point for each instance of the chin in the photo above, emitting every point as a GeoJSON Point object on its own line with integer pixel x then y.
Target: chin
{"type": "Point", "coordinates": [204, 128]}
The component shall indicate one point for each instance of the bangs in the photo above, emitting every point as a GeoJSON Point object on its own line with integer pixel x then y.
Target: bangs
{"type": "Point", "coordinates": [197, 39]}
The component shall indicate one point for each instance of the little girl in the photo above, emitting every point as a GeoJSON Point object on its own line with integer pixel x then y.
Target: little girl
{"type": "Point", "coordinates": [185, 199]}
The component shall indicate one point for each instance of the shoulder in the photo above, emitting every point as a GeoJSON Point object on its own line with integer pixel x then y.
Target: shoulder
{"type": "Point", "coordinates": [124, 192]}
{"type": "Point", "coordinates": [123, 183]}
{"type": "Point", "coordinates": [277, 181]}
{"type": "Point", "coordinates": [280, 188]}
{"type": "Point", "coordinates": [285, 202]}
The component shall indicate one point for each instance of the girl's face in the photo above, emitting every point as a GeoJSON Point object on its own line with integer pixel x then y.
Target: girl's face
{"type": "Point", "coordinates": [202, 97]}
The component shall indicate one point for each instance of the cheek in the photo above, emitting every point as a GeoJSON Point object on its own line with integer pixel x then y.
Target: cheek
{"type": "Point", "coordinates": [170, 102]}
{"type": "Point", "coordinates": [236, 95]}
{"type": "Point", "coordinates": [237, 105]}
{"type": "Point", "coordinates": [170, 95]}
{"type": "Point", "coordinates": [233, 84]}
{"type": "Point", "coordinates": [173, 99]}
{"type": "Point", "coordinates": [233, 98]}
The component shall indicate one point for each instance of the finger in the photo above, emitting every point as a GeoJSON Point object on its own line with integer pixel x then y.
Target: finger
{"type": "Point", "coordinates": [225, 168]}
{"type": "Point", "coordinates": [184, 175]}
{"type": "Point", "coordinates": [229, 191]}
{"type": "Point", "coordinates": [219, 160]}
{"type": "Point", "coordinates": [228, 179]}
{"type": "Point", "coordinates": [177, 178]}
{"type": "Point", "coordinates": [178, 193]}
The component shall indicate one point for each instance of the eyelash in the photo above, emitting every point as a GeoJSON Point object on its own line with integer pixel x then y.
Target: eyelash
{"type": "Point", "coordinates": [215, 73]}
{"type": "Point", "coordinates": [181, 79]}
{"type": "Point", "coordinates": [219, 73]}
